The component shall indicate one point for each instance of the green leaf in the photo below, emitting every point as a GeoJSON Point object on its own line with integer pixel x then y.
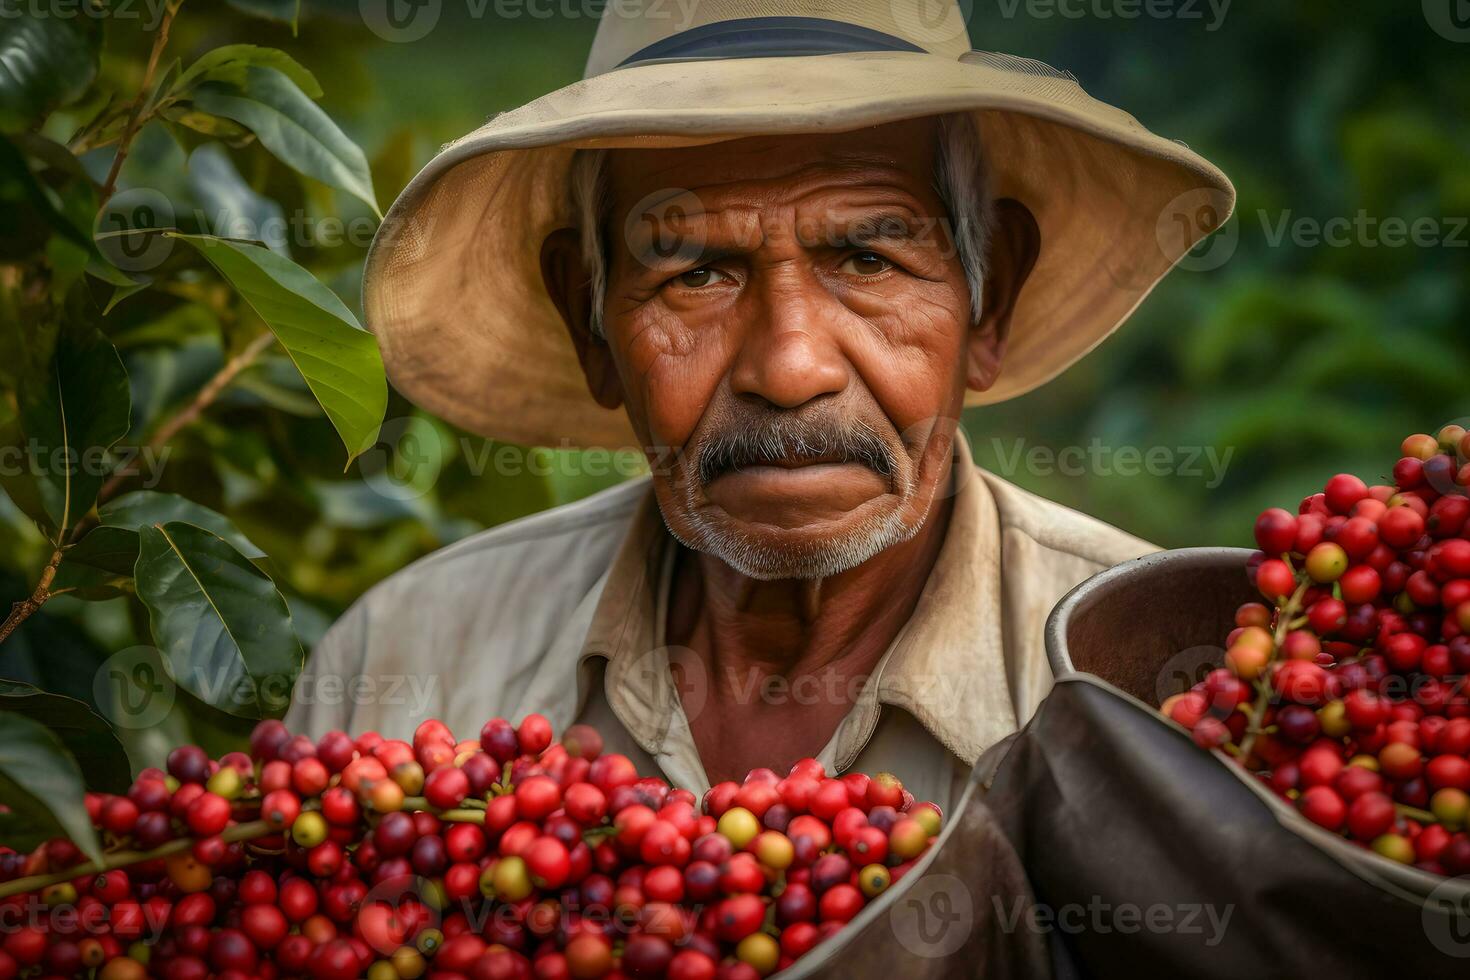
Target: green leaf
{"type": "Point", "coordinates": [339, 360]}
{"type": "Point", "coordinates": [28, 212]}
{"type": "Point", "coordinates": [113, 276]}
{"type": "Point", "coordinates": [224, 631]}
{"type": "Point", "coordinates": [42, 786]}
{"type": "Point", "coordinates": [163, 85]}
{"type": "Point", "coordinates": [293, 127]}
{"type": "Point", "coordinates": [179, 326]}
{"type": "Point", "coordinates": [45, 61]}
{"type": "Point", "coordinates": [100, 566]}
{"type": "Point", "coordinates": [20, 486]}
{"type": "Point", "coordinates": [203, 122]}
{"type": "Point", "coordinates": [86, 734]}
{"type": "Point", "coordinates": [120, 293]}
{"type": "Point", "coordinates": [288, 11]}
{"type": "Point", "coordinates": [132, 512]}
{"type": "Point", "coordinates": [276, 382]}
{"type": "Point", "coordinates": [231, 63]}
{"type": "Point", "coordinates": [231, 207]}
{"type": "Point", "coordinates": [73, 413]}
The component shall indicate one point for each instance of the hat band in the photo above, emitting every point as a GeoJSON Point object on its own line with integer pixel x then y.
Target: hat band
{"type": "Point", "coordinates": [769, 37]}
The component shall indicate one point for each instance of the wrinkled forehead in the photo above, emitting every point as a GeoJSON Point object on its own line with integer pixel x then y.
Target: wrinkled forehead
{"type": "Point", "coordinates": [899, 156]}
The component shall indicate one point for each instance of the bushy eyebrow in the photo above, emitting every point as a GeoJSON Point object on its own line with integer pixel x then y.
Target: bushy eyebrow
{"type": "Point", "coordinates": [666, 247]}
{"type": "Point", "coordinates": [892, 226]}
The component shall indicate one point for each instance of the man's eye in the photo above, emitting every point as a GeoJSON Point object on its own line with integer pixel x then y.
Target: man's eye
{"type": "Point", "coordinates": [703, 276]}
{"type": "Point", "coordinates": [866, 264]}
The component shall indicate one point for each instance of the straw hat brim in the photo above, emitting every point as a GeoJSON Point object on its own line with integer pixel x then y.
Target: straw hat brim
{"type": "Point", "coordinates": [453, 287]}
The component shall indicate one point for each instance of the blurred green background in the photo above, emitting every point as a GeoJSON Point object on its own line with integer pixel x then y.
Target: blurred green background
{"type": "Point", "coordinates": [1294, 359]}
{"type": "Point", "coordinates": [1262, 366]}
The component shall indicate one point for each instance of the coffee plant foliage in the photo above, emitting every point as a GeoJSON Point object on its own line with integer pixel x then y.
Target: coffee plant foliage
{"type": "Point", "coordinates": [190, 409]}
{"type": "Point", "coordinates": [185, 332]}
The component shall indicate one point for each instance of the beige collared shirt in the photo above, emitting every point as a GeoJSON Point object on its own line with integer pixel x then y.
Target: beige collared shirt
{"type": "Point", "coordinates": [563, 613]}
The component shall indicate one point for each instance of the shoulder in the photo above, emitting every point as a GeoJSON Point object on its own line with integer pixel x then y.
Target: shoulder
{"type": "Point", "coordinates": [1046, 550]}
{"type": "Point", "coordinates": [1059, 529]}
{"type": "Point", "coordinates": [572, 542]}
{"type": "Point", "coordinates": [466, 631]}
{"type": "Point", "coordinates": [503, 587]}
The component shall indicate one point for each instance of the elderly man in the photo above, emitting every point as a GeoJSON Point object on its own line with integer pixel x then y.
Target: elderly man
{"type": "Point", "coordinates": [779, 255]}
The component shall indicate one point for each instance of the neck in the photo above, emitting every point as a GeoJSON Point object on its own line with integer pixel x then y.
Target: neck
{"type": "Point", "coordinates": [747, 631]}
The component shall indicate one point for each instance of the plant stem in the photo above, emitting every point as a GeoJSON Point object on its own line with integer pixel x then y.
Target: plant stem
{"type": "Point", "coordinates": [469, 810]}
{"type": "Point", "coordinates": [239, 832]}
{"type": "Point", "coordinates": [125, 142]}
{"type": "Point", "coordinates": [1263, 685]}
{"type": "Point", "coordinates": [190, 414]}
{"type": "Point", "coordinates": [122, 859]}
{"type": "Point", "coordinates": [22, 610]}
{"type": "Point", "coordinates": [1414, 813]}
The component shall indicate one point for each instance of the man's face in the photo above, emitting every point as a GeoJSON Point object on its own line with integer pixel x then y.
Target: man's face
{"type": "Point", "coordinates": [789, 322]}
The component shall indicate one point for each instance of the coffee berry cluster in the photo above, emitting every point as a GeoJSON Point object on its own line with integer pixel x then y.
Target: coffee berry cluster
{"type": "Point", "coordinates": [511, 856]}
{"type": "Point", "coordinates": [1345, 691]}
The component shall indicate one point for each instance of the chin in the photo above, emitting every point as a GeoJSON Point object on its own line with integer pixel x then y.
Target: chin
{"type": "Point", "coordinates": [767, 552]}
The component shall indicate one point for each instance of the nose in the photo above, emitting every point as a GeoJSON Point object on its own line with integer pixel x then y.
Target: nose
{"type": "Point", "coordinates": [789, 353]}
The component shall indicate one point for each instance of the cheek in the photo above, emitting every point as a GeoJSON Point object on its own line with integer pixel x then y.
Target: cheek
{"type": "Point", "coordinates": [671, 368]}
{"type": "Point", "coordinates": [911, 357]}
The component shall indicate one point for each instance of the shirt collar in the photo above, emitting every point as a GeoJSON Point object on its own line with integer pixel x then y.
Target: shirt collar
{"type": "Point", "coordinates": [946, 667]}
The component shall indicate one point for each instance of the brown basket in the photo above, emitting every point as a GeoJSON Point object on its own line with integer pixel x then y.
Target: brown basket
{"type": "Point", "coordinates": [1188, 599]}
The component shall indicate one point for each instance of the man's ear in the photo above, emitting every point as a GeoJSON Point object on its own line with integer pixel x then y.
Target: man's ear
{"type": "Point", "coordinates": [565, 277]}
{"type": "Point", "coordinates": [1015, 241]}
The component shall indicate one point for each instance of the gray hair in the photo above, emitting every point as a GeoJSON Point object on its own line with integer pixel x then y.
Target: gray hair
{"type": "Point", "coordinates": [960, 176]}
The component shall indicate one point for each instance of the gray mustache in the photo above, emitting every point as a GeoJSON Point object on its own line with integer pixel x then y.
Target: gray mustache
{"type": "Point", "coordinates": [774, 439]}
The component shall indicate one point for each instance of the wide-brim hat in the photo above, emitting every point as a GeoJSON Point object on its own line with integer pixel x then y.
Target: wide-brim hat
{"type": "Point", "coordinates": [453, 287]}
